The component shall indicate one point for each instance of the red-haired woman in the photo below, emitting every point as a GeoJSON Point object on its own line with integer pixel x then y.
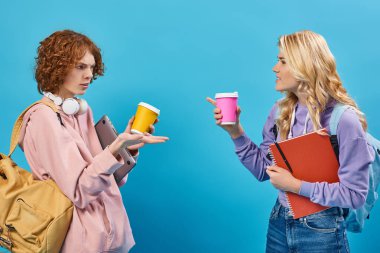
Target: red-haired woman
{"type": "Point", "coordinates": [68, 151]}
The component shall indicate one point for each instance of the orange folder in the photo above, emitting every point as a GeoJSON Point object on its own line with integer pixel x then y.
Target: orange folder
{"type": "Point", "coordinates": [311, 159]}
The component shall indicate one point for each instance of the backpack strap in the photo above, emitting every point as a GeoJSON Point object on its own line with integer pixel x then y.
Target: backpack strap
{"type": "Point", "coordinates": [333, 125]}
{"type": "Point", "coordinates": [18, 124]}
{"type": "Point", "coordinates": [335, 117]}
{"type": "Point", "coordinates": [336, 114]}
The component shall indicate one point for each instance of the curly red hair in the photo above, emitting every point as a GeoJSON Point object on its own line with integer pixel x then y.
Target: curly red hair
{"type": "Point", "coordinates": [58, 54]}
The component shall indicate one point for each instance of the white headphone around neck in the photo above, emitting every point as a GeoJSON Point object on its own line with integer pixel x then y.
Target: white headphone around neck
{"type": "Point", "coordinates": [70, 106]}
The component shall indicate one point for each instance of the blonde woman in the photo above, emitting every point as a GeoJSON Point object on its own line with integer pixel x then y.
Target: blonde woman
{"type": "Point", "coordinates": [306, 74]}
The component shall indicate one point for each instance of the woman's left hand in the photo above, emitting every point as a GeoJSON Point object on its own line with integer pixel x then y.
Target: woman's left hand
{"type": "Point", "coordinates": [283, 180]}
{"type": "Point", "coordinates": [148, 137]}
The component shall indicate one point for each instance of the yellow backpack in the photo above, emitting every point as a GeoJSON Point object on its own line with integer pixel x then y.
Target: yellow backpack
{"type": "Point", "coordinates": [34, 214]}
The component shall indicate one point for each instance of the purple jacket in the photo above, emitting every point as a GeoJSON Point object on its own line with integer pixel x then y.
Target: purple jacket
{"type": "Point", "coordinates": [354, 157]}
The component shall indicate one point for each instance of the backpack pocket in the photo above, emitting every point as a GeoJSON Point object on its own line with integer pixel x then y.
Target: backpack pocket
{"type": "Point", "coordinates": [28, 224]}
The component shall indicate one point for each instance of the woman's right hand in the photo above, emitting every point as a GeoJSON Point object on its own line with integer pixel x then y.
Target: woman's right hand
{"type": "Point", "coordinates": [235, 130]}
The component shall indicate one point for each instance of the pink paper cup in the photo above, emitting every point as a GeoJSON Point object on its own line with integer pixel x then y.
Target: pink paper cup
{"type": "Point", "coordinates": [227, 102]}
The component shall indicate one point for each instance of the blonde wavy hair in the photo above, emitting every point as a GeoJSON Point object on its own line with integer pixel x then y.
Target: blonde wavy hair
{"type": "Point", "coordinates": [313, 66]}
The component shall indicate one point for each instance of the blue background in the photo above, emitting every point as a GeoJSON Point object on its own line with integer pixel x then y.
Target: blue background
{"type": "Point", "coordinates": [191, 194]}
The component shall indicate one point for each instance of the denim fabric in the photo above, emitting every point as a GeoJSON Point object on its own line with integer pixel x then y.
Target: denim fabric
{"type": "Point", "coordinates": [321, 232]}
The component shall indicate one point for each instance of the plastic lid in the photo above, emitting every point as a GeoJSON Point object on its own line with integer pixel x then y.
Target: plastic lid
{"type": "Point", "coordinates": [134, 131]}
{"type": "Point", "coordinates": [228, 123]}
{"type": "Point", "coordinates": [227, 95]}
{"type": "Point", "coordinates": [152, 108]}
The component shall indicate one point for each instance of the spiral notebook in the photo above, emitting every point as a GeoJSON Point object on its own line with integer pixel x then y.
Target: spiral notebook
{"type": "Point", "coordinates": [310, 158]}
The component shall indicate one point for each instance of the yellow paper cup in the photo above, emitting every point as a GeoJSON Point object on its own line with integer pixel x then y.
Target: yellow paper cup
{"type": "Point", "coordinates": [144, 117]}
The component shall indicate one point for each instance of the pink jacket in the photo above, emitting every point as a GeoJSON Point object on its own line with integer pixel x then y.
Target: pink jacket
{"type": "Point", "coordinates": [72, 156]}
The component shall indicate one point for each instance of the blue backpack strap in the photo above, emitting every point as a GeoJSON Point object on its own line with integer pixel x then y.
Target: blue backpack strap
{"type": "Point", "coordinates": [336, 114]}
{"type": "Point", "coordinates": [333, 126]}
{"type": "Point", "coordinates": [335, 117]}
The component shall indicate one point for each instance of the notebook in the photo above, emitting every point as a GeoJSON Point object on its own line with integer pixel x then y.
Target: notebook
{"type": "Point", "coordinates": [311, 159]}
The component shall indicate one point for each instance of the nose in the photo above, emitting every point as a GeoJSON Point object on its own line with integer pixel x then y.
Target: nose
{"type": "Point", "coordinates": [275, 68]}
{"type": "Point", "coordinates": [89, 74]}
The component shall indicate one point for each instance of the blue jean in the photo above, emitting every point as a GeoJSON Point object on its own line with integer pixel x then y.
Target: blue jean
{"type": "Point", "coordinates": [320, 232]}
